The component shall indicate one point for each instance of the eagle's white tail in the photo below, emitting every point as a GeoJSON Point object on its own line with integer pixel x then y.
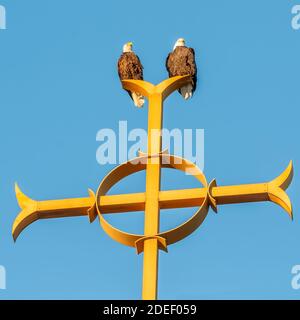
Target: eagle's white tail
{"type": "Point", "coordinates": [187, 91]}
{"type": "Point", "coordinates": [138, 99]}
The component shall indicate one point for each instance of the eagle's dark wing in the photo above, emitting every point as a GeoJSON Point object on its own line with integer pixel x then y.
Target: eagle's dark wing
{"type": "Point", "coordinates": [130, 67]}
{"type": "Point", "coordinates": [181, 62]}
{"type": "Point", "coordinates": [191, 61]}
{"type": "Point", "coordinates": [167, 64]}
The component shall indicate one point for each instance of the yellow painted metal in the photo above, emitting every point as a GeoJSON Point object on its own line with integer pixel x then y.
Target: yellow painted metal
{"type": "Point", "coordinates": [168, 199]}
{"type": "Point", "coordinates": [152, 195]}
{"type": "Point", "coordinates": [155, 95]}
{"type": "Point", "coordinates": [153, 199]}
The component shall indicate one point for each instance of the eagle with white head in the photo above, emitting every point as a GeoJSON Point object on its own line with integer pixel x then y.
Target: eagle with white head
{"type": "Point", "coordinates": [130, 67]}
{"type": "Point", "coordinates": [181, 62]}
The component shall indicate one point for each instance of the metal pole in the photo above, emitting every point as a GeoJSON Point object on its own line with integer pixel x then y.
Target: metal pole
{"type": "Point", "coordinates": [152, 210]}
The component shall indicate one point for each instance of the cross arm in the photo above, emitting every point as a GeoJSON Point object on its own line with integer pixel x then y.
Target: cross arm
{"type": "Point", "coordinates": [273, 191]}
{"type": "Point", "coordinates": [168, 199]}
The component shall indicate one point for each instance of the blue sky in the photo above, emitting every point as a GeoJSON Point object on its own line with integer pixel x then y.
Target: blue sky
{"type": "Point", "coordinates": [59, 86]}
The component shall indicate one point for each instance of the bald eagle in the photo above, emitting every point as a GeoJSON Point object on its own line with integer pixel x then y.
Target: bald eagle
{"type": "Point", "coordinates": [130, 67]}
{"type": "Point", "coordinates": [181, 62]}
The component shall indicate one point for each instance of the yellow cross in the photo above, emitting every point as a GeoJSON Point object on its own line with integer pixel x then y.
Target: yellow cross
{"type": "Point", "coordinates": [153, 199]}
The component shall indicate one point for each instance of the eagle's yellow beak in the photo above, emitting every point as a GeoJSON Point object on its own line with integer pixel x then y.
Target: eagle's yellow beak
{"type": "Point", "coordinates": [130, 44]}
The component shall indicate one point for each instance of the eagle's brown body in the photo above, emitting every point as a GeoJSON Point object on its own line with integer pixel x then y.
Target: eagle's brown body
{"type": "Point", "coordinates": [130, 67]}
{"type": "Point", "coordinates": [181, 62]}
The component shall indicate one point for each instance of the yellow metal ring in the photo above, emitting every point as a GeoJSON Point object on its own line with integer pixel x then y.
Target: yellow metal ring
{"type": "Point", "coordinates": [138, 164]}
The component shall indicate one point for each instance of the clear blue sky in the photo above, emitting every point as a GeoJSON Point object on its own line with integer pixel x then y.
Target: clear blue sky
{"type": "Point", "coordinates": [59, 86]}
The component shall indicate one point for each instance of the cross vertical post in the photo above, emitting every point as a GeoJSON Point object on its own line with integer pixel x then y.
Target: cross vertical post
{"type": "Point", "coordinates": [152, 210]}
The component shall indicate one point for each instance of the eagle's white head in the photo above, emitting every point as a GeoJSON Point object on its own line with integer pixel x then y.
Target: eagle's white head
{"type": "Point", "coordinates": [127, 47]}
{"type": "Point", "coordinates": [179, 43]}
